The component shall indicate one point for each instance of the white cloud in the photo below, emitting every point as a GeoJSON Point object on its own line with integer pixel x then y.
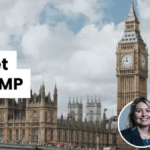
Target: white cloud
{"type": "Point", "coordinates": [89, 8]}
{"type": "Point", "coordinates": [82, 64]}
{"type": "Point", "coordinates": [143, 7]}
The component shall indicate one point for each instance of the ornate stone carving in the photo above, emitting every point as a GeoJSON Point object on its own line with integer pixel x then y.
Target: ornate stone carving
{"type": "Point", "coordinates": [35, 115]}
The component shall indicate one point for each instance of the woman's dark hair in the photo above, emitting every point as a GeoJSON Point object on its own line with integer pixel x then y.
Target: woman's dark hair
{"type": "Point", "coordinates": [132, 109]}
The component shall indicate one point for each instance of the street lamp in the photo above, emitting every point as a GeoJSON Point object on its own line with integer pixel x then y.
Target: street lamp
{"type": "Point", "coordinates": [97, 143]}
{"type": "Point", "coordinates": [38, 133]}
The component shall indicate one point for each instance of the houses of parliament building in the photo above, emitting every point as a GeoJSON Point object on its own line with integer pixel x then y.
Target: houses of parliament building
{"type": "Point", "coordinates": [35, 119]}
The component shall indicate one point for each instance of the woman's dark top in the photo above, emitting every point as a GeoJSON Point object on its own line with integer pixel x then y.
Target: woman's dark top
{"type": "Point", "coordinates": [132, 136]}
{"type": "Point", "coordinates": [146, 142]}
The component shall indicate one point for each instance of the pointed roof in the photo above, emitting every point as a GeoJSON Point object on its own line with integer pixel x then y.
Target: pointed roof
{"type": "Point", "coordinates": [69, 100]}
{"type": "Point", "coordinates": [55, 89]}
{"type": "Point", "coordinates": [132, 15]}
{"type": "Point", "coordinates": [81, 100]}
{"type": "Point", "coordinates": [132, 36]}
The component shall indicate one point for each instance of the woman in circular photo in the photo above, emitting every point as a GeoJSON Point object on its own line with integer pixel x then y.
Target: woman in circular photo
{"type": "Point", "coordinates": [138, 131]}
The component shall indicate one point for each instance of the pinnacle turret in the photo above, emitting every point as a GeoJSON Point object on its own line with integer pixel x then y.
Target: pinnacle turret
{"type": "Point", "coordinates": [55, 93]}
{"type": "Point", "coordinates": [55, 89]}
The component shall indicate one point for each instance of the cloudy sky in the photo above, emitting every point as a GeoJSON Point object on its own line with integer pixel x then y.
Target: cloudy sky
{"type": "Point", "coordinates": [70, 42]}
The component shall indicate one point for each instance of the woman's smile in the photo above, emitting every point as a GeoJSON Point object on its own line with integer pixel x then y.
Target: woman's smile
{"type": "Point", "coordinates": [143, 120]}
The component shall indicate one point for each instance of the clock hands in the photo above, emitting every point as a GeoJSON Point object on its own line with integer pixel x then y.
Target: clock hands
{"type": "Point", "coordinates": [127, 60]}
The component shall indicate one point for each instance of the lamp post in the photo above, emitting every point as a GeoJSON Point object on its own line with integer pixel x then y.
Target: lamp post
{"type": "Point", "coordinates": [38, 133]}
{"type": "Point", "coordinates": [97, 143]}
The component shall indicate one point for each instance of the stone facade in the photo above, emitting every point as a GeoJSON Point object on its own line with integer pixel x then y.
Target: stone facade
{"type": "Point", "coordinates": [30, 120]}
{"type": "Point", "coordinates": [85, 134]}
{"type": "Point", "coordinates": [132, 67]}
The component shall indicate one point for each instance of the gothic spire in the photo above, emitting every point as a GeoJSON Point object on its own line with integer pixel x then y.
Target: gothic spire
{"type": "Point", "coordinates": [87, 99]}
{"type": "Point", "coordinates": [55, 89]}
{"type": "Point", "coordinates": [49, 95]}
{"type": "Point", "coordinates": [132, 31]}
{"type": "Point", "coordinates": [132, 15]}
{"type": "Point", "coordinates": [99, 99]}
{"type": "Point", "coordinates": [81, 100]}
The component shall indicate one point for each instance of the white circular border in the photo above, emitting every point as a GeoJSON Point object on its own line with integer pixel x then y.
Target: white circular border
{"type": "Point", "coordinates": [121, 134]}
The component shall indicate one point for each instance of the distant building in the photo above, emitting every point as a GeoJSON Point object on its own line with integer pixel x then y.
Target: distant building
{"type": "Point", "coordinates": [93, 110]}
{"type": "Point", "coordinates": [112, 123]}
{"type": "Point", "coordinates": [75, 110]}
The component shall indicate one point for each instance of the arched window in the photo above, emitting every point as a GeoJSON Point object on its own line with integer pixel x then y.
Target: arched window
{"type": "Point", "coordinates": [45, 116]}
{"type": "Point", "coordinates": [51, 134]}
{"type": "Point", "coordinates": [35, 114]}
{"type": "Point", "coordinates": [1, 134]}
{"type": "Point", "coordinates": [77, 136]}
{"type": "Point", "coordinates": [17, 134]}
{"type": "Point", "coordinates": [34, 134]}
{"type": "Point", "coordinates": [65, 136]}
{"type": "Point", "coordinates": [91, 115]}
{"type": "Point", "coordinates": [71, 136]}
{"type": "Point", "coordinates": [23, 134]}
{"type": "Point", "coordinates": [51, 117]}
{"type": "Point", "coordinates": [59, 138]}
{"type": "Point", "coordinates": [83, 136]}
{"type": "Point", "coordinates": [10, 134]}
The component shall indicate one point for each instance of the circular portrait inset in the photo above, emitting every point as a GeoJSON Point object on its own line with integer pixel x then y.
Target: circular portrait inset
{"type": "Point", "coordinates": [134, 123]}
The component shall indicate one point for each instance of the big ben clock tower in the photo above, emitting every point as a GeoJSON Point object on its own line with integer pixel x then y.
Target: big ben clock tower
{"type": "Point", "coordinates": [132, 65]}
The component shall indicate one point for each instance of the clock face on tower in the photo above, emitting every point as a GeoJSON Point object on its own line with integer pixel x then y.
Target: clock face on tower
{"type": "Point", "coordinates": [143, 61]}
{"type": "Point", "coordinates": [127, 60]}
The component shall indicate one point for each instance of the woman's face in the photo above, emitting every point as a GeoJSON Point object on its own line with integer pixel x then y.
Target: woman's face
{"type": "Point", "coordinates": [142, 115]}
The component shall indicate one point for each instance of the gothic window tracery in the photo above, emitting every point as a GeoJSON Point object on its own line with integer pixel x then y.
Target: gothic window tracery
{"type": "Point", "coordinates": [10, 116]}
{"type": "Point", "coordinates": [34, 134]}
{"type": "Point", "coordinates": [46, 117]}
{"type": "Point", "coordinates": [65, 136]}
{"type": "Point", "coordinates": [1, 101]}
{"type": "Point", "coordinates": [37, 100]}
{"type": "Point", "coordinates": [91, 115]}
{"type": "Point", "coordinates": [51, 117]}
{"type": "Point", "coordinates": [10, 134]}
{"type": "Point", "coordinates": [71, 136]}
{"type": "Point", "coordinates": [1, 116]}
{"type": "Point", "coordinates": [59, 136]}
{"type": "Point", "coordinates": [23, 134]}
{"type": "Point", "coordinates": [23, 113]}
{"type": "Point", "coordinates": [17, 114]}
{"type": "Point", "coordinates": [1, 134]}
{"type": "Point", "coordinates": [51, 134]}
{"type": "Point", "coordinates": [34, 114]}
{"type": "Point", "coordinates": [17, 134]}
